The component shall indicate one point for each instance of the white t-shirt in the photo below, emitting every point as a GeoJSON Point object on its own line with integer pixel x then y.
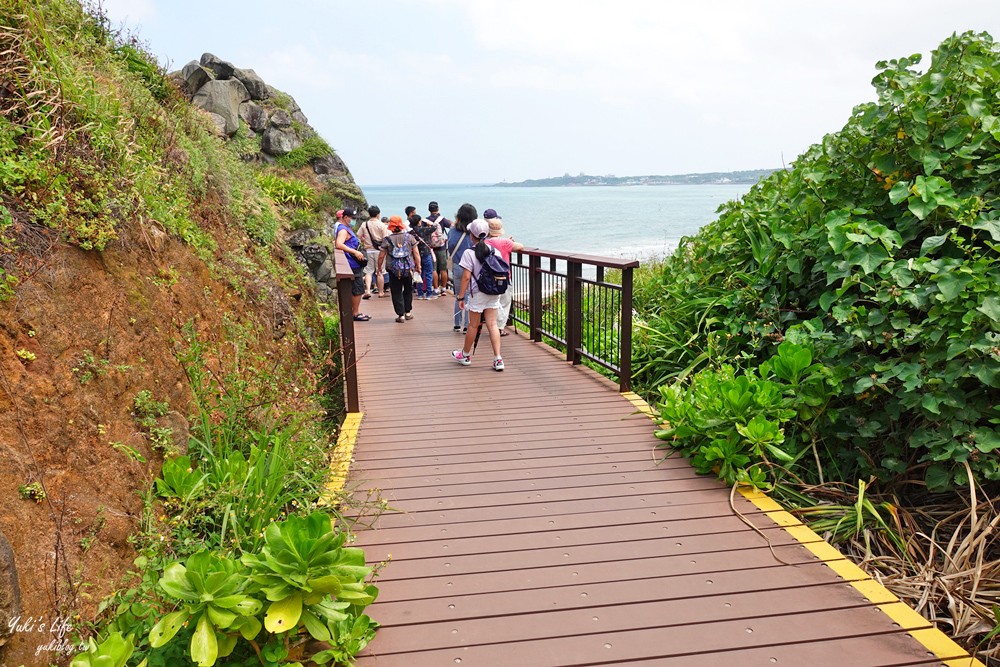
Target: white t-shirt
{"type": "Point", "coordinates": [469, 262]}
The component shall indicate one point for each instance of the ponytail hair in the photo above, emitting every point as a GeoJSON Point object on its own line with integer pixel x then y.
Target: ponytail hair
{"type": "Point", "coordinates": [483, 250]}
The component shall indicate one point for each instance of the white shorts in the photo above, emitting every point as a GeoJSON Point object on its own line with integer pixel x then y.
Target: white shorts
{"type": "Point", "coordinates": [480, 302]}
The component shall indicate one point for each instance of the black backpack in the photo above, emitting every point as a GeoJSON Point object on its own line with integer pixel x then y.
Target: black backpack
{"type": "Point", "coordinates": [494, 274]}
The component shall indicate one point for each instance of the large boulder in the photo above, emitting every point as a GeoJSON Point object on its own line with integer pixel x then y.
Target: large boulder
{"type": "Point", "coordinates": [278, 141]}
{"type": "Point", "coordinates": [281, 118]}
{"type": "Point", "coordinates": [254, 84]}
{"type": "Point", "coordinates": [255, 116]}
{"type": "Point", "coordinates": [223, 98]}
{"type": "Point", "coordinates": [330, 164]}
{"type": "Point", "coordinates": [300, 117]}
{"type": "Point", "coordinates": [301, 238]}
{"type": "Point", "coordinates": [10, 592]}
{"type": "Point", "coordinates": [217, 66]}
{"type": "Point", "coordinates": [195, 76]}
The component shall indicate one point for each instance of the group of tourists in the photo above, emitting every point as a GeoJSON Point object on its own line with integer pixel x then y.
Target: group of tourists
{"type": "Point", "coordinates": [425, 258]}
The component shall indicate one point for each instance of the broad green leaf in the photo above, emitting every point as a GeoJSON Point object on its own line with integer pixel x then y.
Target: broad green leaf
{"type": "Point", "coordinates": [315, 626]}
{"type": "Point", "coordinates": [777, 453]}
{"type": "Point", "coordinates": [204, 645]}
{"type": "Point", "coordinates": [921, 208]}
{"type": "Point", "coordinates": [937, 478]}
{"type": "Point", "coordinates": [827, 299]}
{"type": "Point", "coordinates": [221, 618]}
{"type": "Point", "coordinates": [932, 242]}
{"type": "Point", "coordinates": [974, 106]}
{"type": "Point", "coordinates": [226, 644]}
{"type": "Point", "coordinates": [931, 403]}
{"type": "Point", "coordinates": [899, 192]}
{"type": "Point", "coordinates": [954, 137]}
{"type": "Point", "coordinates": [283, 615]}
{"type": "Point", "coordinates": [167, 627]}
{"type": "Point", "coordinates": [952, 284]}
{"type": "Point", "coordinates": [990, 307]}
{"type": "Point", "coordinates": [987, 439]}
{"type": "Point", "coordinates": [250, 627]}
{"type": "Point", "coordinates": [174, 582]}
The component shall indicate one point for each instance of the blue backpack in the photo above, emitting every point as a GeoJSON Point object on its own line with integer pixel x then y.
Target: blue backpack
{"type": "Point", "coordinates": [399, 262]}
{"type": "Point", "coordinates": [494, 274]}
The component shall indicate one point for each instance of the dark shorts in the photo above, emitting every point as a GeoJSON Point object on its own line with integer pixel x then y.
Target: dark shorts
{"type": "Point", "coordinates": [441, 258]}
{"type": "Point", "coordinates": [358, 284]}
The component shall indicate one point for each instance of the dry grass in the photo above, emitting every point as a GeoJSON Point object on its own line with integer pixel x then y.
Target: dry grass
{"type": "Point", "coordinates": [949, 570]}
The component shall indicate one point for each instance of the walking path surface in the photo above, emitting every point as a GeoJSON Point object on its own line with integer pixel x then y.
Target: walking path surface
{"type": "Point", "coordinates": [536, 528]}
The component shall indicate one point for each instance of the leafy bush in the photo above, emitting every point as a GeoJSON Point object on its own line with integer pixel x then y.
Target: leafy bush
{"type": "Point", "coordinates": [290, 191]}
{"type": "Point", "coordinates": [312, 148]}
{"type": "Point", "coordinates": [304, 583]}
{"type": "Point", "coordinates": [878, 250]}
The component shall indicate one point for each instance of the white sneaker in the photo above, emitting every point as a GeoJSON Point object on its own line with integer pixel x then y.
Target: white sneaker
{"type": "Point", "coordinates": [498, 364]}
{"type": "Point", "coordinates": [461, 357]}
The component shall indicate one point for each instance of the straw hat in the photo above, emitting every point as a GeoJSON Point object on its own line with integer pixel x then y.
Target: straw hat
{"type": "Point", "coordinates": [496, 228]}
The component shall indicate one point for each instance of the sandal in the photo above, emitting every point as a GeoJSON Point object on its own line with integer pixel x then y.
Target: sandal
{"type": "Point", "coordinates": [504, 332]}
{"type": "Point", "coordinates": [366, 296]}
{"type": "Point", "coordinates": [399, 319]}
{"type": "Point", "coordinates": [361, 317]}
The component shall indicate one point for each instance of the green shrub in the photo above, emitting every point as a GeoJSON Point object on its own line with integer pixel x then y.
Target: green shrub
{"type": "Point", "coordinates": [877, 249]}
{"type": "Point", "coordinates": [311, 149]}
{"type": "Point", "coordinates": [289, 191]}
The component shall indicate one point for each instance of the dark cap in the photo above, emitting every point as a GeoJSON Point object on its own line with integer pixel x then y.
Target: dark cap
{"type": "Point", "coordinates": [433, 206]}
{"type": "Point", "coordinates": [350, 213]}
{"type": "Point", "coordinates": [490, 213]}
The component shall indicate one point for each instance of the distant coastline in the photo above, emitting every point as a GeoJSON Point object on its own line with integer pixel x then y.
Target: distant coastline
{"type": "Point", "coordinates": [584, 180]}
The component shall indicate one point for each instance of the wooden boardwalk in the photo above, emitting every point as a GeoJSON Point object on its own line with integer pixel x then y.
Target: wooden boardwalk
{"type": "Point", "coordinates": [535, 528]}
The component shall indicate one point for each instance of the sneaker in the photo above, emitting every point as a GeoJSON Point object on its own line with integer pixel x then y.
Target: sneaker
{"type": "Point", "coordinates": [408, 316]}
{"type": "Point", "coordinates": [461, 357]}
{"type": "Point", "coordinates": [498, 364]}
{"type": "Point", "coordinates": [457, 329]}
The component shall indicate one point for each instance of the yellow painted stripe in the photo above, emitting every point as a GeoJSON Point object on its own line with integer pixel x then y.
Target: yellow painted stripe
{"type": "Point", "coordinates": [340, 460]}
{"type": "Point", "coordinates": [918, 627]}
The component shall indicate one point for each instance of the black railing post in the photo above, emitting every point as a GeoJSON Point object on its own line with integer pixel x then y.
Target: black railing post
{"type": "Point", "coordinates": [348, 348]}
{"type": "Point", "coordinates": [625, 333]}
{"type": "Point", "coordinates": [535, 298]}
{"type": "Point", "coordinates": [574, 311]}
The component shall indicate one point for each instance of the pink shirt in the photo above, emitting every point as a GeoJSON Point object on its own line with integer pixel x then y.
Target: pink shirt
{"type": "Point", "coordinates": [503, 246]}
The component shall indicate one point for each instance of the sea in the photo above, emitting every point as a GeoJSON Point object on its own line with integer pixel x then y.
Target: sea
{"type": "Point", "coordinates": [633, 221]}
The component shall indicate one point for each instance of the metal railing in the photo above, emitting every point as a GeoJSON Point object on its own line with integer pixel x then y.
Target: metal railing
{"type": "Point", "coordinates": [567, 300]}
{"type": "Point", "coordinates": [571, 300]}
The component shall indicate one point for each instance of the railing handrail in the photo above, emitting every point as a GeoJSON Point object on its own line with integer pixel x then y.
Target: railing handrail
{"type": "Point", "coordinates": [595, 260]}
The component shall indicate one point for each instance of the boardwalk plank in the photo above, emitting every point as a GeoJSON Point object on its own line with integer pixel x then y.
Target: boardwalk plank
{"type": "Point", "coordinates": [535, 528]}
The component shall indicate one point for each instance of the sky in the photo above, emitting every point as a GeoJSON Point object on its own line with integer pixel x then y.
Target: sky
{"type": "Point", "coordinates": [484, 91]}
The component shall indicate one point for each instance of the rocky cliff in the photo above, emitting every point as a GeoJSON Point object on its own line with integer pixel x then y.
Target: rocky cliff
{"type": "Point", "coordinates": [279, 131]}
{"type": "Point", "coordinates": [270, 128]}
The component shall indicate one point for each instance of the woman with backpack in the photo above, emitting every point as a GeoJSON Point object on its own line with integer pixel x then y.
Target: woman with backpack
{"type": "Point", "coordinates": [400, 248]}
{"type": "Point", "coordinates": [458, 243]}
{"type": "Point", "coordinates": [504, 245]}
{"type": "Point", "coordinates": [478, 293]}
